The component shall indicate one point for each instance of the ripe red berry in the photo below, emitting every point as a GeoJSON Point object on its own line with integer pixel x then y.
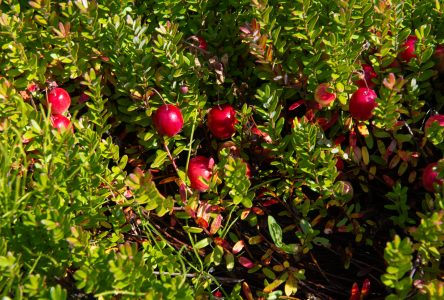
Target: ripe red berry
{"type": "Point", "coordinates": [429, 177]}
{"type": "Point", "coordinates": [183, 89]}
{"type": "Point", "coordinates": [218, 294]}
{"type": "Point", "coordinates": [168, 120]}
{"type": "Point", "coordinates": [436, 118]}
{"type": "Point", "coordinates": [200, 167]}
{"type": "Point", "coordinates": [362, 103]}
{"type": "Point", "coordinates": [369, 74]}
{"type": "Point", "coordinates": [322, 96]}
{"type": "Point", "coordinates": [59, 100]}
{"type": "Point", "coordinates": [409, 49]}
{"type": "Point", "coordinates": [60, 122]}
{"type": "Point", "coordinates": [221, 121]}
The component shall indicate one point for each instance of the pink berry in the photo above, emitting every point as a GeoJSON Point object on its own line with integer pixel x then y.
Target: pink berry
{"type": "Point", "coordinates": [59, 100]}
{"type": "Point", "coordinates": [61, 122]}
{"type": "Point", "coordinates": [429, 177]}
{"type": "Point", "coordinates": [168, 120]}
{"type": "Point", "coordinates": [322, 96]}
{"type": "Point", "coordinates": [436, 118]}
{"type": "Point", "coordinates": [200, 167]}
{"type": "Point", "coordinates": [409, 49]}
{"type": "Point", "coordinates": [369, 74]}
{"type": "Point", "coordinates": [183, 89]}
{"type": "Point", "coordinates": [221, 121]}
{"type": "Point", "coordinates": [362, 103]}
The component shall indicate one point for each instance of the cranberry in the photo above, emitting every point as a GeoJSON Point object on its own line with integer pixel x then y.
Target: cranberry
{"type": "Point", "coordinates": [429, 177]}
{"type": "Point", "coordinates": [409, 49]}
{"type": "Point", "coordinates": [221, 121]}
{"type": "Point", "coordinates": [168, 120]}
{"type": "Point", "coordinates": [369, 74]}
{"type": "Point", "coordinates": [344, 190]}
{"type": "Point", "coordinates": [218, 294]}
{"type": "Point", "coordinates": [431, 120]}
{"type": "Point", "coordinates": [322, 96]}
{"type": "Point", "coordinates": [200, 167]}
{"type": "Point", "coordinates": [362, 103]}
{"type": "Point", "coordinates": [183, 89]}
{"type": "Point", "coordinates": [61, 122]}
{"type": "Point", "coordinates": [59, 100]}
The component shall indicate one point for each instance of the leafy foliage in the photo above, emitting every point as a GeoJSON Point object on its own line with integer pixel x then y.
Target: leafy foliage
{"type": "Point", "coordinates": [300, 197]}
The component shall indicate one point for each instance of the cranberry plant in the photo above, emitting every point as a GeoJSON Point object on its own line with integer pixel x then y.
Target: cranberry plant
{"type": "Point", "coordinates": [221, 149]}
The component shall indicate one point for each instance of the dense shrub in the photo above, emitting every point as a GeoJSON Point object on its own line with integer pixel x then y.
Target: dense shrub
{"type": "Point", "coordinates": [322, 186]}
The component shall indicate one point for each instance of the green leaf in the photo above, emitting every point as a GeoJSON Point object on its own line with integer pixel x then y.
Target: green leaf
{"type": "Point", "coordinates": [275, 231]}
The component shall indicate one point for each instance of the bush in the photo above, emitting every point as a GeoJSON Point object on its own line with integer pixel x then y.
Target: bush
{"type": "Point", "coordinates": [310, 196]}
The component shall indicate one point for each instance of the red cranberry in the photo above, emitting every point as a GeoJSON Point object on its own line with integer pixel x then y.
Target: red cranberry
{"type": "Point", "coordinates": [200, 167]}
{"type": "Point", "coordinates": [60, 122]}
{"type": "Point", "coordinates": [322, 96]}
{"type": "Point", "coordinates": [362, 103]}
{"type": "Point", "coordinates": [409, 49]}
{"type": "Point", "coordinates": [59, 100]}
{"type": "Point", "coordinates": [221, 121]}
{"type": "Point", "coordinates": [436, 118]}
{"type": "Point", "coordinates": [369, 74]}
{"type": "Point", "coordinates": [429, 177]}
{"type": "Point", "coordinates": [168, 120]}
{"type": "Point", "coordinates": [183, 89]}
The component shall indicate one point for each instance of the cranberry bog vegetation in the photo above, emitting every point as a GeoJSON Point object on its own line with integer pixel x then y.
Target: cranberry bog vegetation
{"type": "Point", "coordinates": [221, 149]}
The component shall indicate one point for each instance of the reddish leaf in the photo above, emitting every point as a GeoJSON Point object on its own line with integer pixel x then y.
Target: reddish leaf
{"type": "Point", "coordinates": [245, 30]}
{"type": "Point", "coordinates": [245, 213]}
{"type": "Point", "coordinates": [262, 134]}
{"type": "Point", "coordinates": [215, 225]}
{"type": "Point", "coordinates": [258, 211]}
{"type": "Point", "coordinates": [269, 202]}
{"type": "Point", "coordinates": [388, 180]}
{"type": "Point", "coordinates": [354, 293]}
{"type": "Point", "coordinates": [216, 208]}
{"type": "Point", "coordinates": [296, 104]}
{"type": "Point", "coordinates": [309, 114]}
{"type": "Point", "coordinates": [238, 246]}
{"type": "Point", "coordinates": [245, 262]}
{"type": "Point", "coordinates": [352, 139]}
{"type": "Point", "coordinates": [190, 211]}
{"type": "Point", "coordinates": [221, 242]}
{"type": "Point", "coordinates": [266, 258]}
{"type": "Point", "coordinates": [183, 192]}
{"type": "Point", "coordinates": [202, 223]}
{"type": "Point", "coordinates": [168, 180]}
{"type": "Point", "coordinates": [247, 291]}
{"type": "Point", "coordinates": [365, 287]}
